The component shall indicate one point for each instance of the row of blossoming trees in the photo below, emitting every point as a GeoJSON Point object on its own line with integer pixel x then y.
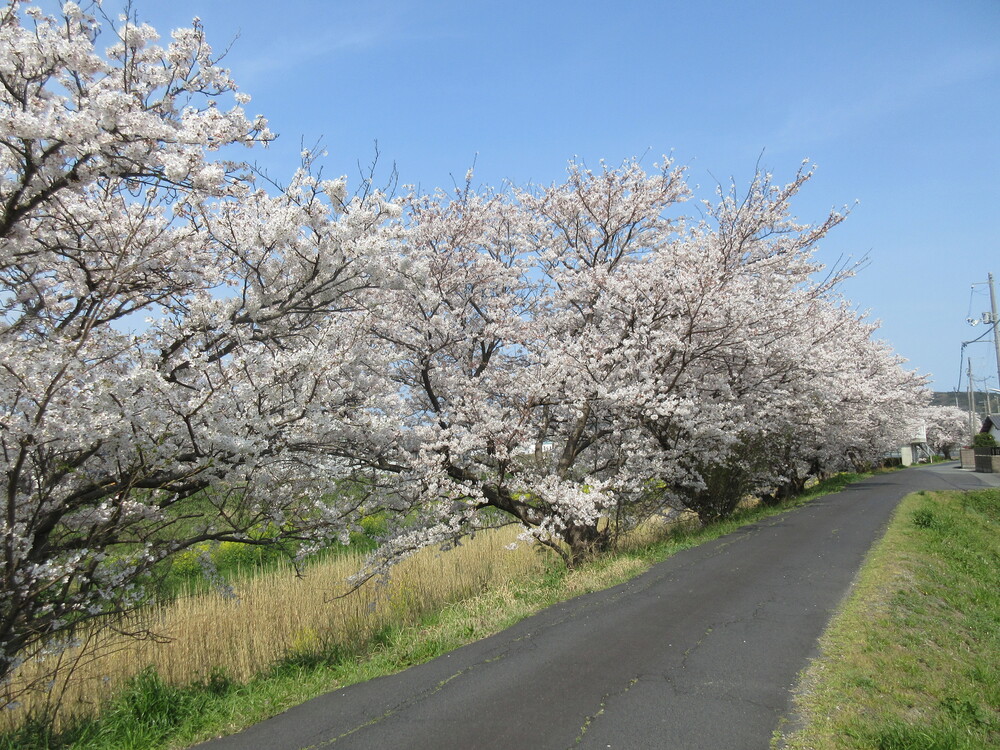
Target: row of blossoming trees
{"type": "Point", "coordinates": [573, 358]}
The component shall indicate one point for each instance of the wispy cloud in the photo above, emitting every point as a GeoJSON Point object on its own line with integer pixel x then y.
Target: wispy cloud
{"type": "Point", "coordinates": [883, 95]}
{"type": "Point", "coordinates": [282, 55]}
{"type": "Point", "coordinates": [323, 34]}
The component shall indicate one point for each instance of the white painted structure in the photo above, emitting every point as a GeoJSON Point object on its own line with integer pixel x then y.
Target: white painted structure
{"type": "Point", "coordinates": [916, 448]}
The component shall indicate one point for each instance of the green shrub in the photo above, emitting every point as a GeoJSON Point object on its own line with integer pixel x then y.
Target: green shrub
{"type": "Point", "coordinates": [984, 440]}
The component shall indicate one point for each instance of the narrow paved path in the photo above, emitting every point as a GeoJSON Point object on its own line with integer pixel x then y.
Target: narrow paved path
{"type": "Point", "coordinates": [699, 652]}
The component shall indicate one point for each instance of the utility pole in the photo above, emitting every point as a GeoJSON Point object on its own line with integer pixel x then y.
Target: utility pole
{"type": "Point", "coordinates": [972, 405]}
{"type": "Point", "coordinates": [996, 326]}
{"type": "Point", "coordinates": [993, 319]}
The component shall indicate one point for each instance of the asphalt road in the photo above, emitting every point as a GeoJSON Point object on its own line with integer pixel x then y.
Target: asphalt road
{"type": "Point", "coordinates": [699, 652]}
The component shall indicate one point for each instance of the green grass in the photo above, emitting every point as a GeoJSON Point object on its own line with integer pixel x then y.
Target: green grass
{"type": "Point", "coordinates": [199, 568]}
{"type": "Point", "coordinates": [150, 714]}
{"type": "Point", "coordinates": [913, 660]}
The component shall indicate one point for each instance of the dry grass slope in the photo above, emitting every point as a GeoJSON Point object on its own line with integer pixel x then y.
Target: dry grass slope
{"type": "Point", "coordinates": [270, 617]}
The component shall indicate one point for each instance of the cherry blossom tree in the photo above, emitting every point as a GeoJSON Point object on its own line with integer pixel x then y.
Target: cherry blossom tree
{"type": "Point", "coordinates": [490, 290]}
{"type": "Point", "coordinates": [947, 428]}
{"type": "Point", "coordinates": [734, 341]}
{"type": "Point", "coordinates": [223, 417]}
{"type": "Point", "coordinates": [865, 400]}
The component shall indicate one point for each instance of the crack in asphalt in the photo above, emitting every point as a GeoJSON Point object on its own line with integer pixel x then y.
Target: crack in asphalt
{"type": "Point", "coordinates": [591, 718]}
{"type": "Point", "coordinates": [691, 649]}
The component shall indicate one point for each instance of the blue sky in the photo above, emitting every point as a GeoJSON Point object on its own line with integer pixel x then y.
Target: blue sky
{"type": "Point", "coordinates": [897, 103]}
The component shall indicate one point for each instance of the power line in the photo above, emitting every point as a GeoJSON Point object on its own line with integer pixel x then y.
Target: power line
{"type": "Point", "coordinates": [961, 356]}
{"type": "Point", "coordinates": [994, 327]}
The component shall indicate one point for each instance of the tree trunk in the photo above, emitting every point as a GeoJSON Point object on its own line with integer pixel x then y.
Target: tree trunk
{"type": "Point", "coordinates": [584, 543]}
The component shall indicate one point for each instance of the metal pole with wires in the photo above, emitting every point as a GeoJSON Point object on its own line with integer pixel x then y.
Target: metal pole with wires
{"type": "Point", "coordinates": [972, 404]}
{"type": "Point", "coordinates": [995, 321]}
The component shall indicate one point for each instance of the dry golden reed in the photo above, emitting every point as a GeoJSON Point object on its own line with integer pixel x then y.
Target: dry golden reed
{"type": "Point", "coordinates": [271, 616]}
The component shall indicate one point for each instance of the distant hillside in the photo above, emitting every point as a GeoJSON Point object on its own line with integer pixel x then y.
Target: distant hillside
{"type": "Point", "coordinates": [951, 398]}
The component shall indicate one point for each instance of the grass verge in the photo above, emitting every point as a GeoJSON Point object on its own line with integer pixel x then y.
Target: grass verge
{"type": "Point", "coordinates": [152, 712]}
{"type": "Point", "coordinates": [911, 662]}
